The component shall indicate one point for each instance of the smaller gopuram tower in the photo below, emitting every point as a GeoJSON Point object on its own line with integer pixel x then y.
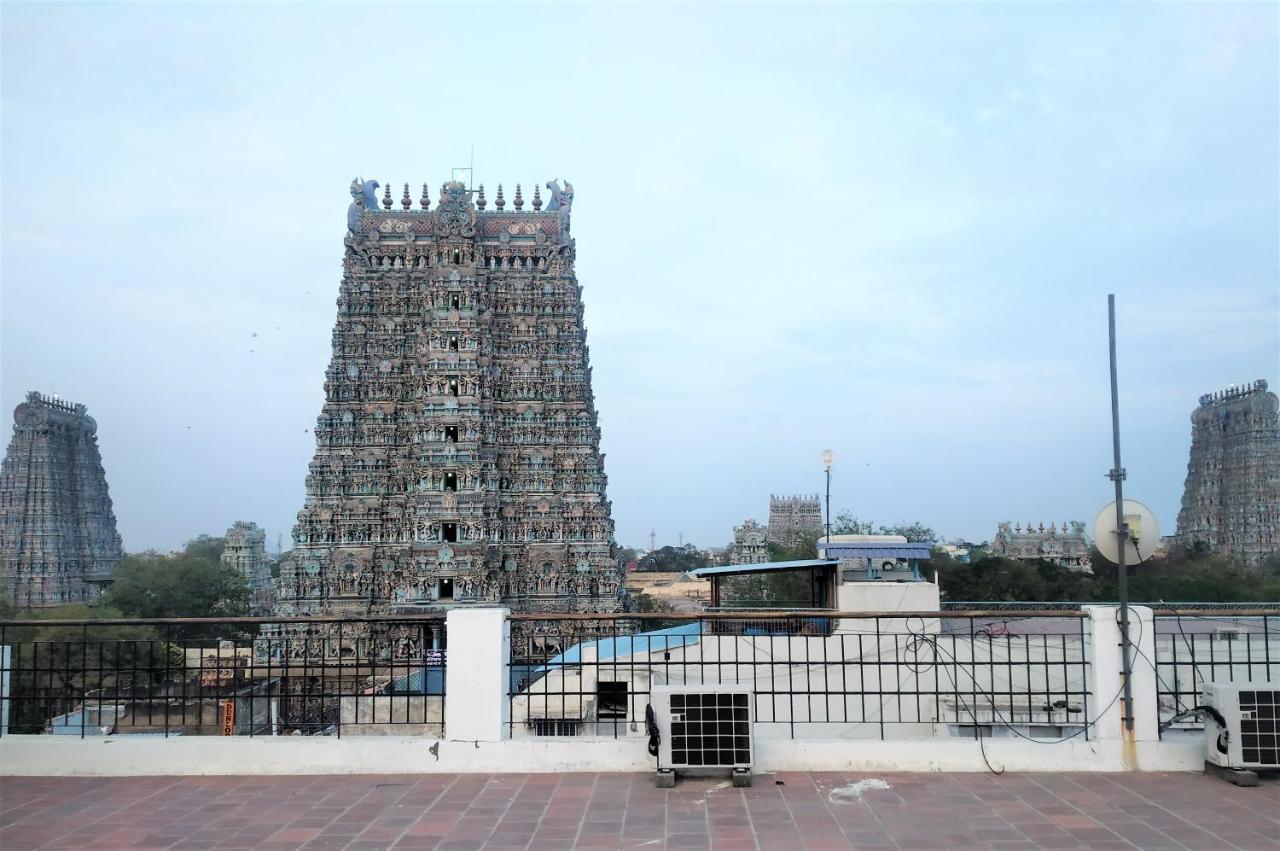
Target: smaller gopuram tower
{"type": "Point", "coordinates": [792, 516]}
{"type": "Point", "coordinates": [245, 551]}
{"type": "Point", "coordinates": [58, 540]}
{"type": "Point", "coordinates": [1231, 502]}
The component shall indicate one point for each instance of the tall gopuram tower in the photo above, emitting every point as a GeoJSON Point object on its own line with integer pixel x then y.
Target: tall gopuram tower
{"type": "Point", "coordinates": [1232, 498]}
{"type": "Point", "coordinates": [458, 453]}
{"type": "Point", "coordinates": [58, 540]}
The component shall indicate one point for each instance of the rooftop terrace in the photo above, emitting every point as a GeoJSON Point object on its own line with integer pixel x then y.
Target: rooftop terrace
{"type": "Point", "coordinates": [547, 811]}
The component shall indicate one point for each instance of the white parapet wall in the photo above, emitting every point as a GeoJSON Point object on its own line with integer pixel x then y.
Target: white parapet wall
{"type": "Point", "coordinates": [213, 755]}
{"type": "Point", "coordinates": [478, 736]}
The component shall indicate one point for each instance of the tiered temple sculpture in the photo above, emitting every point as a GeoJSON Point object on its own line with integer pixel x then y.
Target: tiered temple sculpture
{"type": "Point", "coordinates": [1066, 546]}
{"type": "Point", "coordinates": [793, 516]}
{"type": "Point", "coordinates": [58, 540]}
{"type": "Point", "coordinates": [457, 454]}
{"type": "Point", "coordinates": [750, 544]}
{"type": "Point", "coordinates": [1231, 502]}
{"type": "Point", "coordinates": [245, 551]}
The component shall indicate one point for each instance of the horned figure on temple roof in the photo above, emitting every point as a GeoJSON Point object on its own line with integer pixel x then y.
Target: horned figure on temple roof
{"type": "Point", "coordinates": [364, 196]}
{"type": "Point", "coordinates": [561, 201]}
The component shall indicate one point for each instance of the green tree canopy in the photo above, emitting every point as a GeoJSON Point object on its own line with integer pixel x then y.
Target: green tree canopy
{"type": "Point", "coordinates": [846, 524]}
{"type": "Point", "coordinates": [147, 585]}
{"type": "Point", "coordinates": [672, 560]}
{"type": "Point", "coordinates": [206, 547]}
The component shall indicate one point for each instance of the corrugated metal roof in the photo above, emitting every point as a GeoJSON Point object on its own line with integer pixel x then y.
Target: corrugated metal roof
{"type": "Point", "coordinates": [630, 645]}
{"type": "Point", "coordinates": [731, 569]}
{"type": "Point", "coordinates": [921, 550]}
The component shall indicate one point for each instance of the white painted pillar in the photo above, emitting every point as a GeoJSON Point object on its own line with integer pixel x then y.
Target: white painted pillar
{"type": "Point", "coordinates": [1105, 710]}
{"type": "Point", "coordinates": [476, 707]}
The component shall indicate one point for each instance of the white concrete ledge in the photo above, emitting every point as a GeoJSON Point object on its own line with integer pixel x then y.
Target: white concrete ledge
{"type": "Point", "coordinates": [63, 756]}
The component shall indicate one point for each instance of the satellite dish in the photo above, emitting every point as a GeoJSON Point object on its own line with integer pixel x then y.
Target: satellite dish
{"type": "Point", "coordinates": [1144, 533]}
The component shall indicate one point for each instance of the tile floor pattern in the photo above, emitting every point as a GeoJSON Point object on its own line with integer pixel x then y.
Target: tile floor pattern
{"type": "Point", "coordinates": [547, 811]}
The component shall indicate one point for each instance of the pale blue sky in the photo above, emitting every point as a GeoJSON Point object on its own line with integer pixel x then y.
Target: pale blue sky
{"type": "Point", "coordinates": [887, 230]}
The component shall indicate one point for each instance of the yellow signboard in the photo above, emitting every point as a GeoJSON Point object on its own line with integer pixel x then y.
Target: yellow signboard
{"type": "Point", "coordinates": [228, 718]}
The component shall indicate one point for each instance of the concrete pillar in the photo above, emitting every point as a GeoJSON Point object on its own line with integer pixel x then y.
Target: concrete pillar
{"type": "Point", "coordinates": [1105, 710]}
{"type": "Point", "coordinates": [476, 707]}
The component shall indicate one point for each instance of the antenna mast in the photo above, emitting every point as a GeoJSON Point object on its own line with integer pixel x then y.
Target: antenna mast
{"type": "Point", "coordinates": [1117, 475]}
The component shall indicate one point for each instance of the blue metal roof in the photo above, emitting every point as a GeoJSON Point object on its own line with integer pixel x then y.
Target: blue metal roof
{"type": "Point", "coordinates": [629, 645]}
{"type": "Point", "coordinates": [732, 569]}
{"type": "Point", "coordinates": [874, 549]}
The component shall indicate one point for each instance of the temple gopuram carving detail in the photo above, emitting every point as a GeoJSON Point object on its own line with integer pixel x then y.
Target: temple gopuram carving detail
{"type": "Point", "coordinates": [457, 453]}
{"type": "Point", "coordinates": [1067, 546]}
{"type": "Point", "coordinates": [1231, 502]}
{"type": "Point", "coordinates": [244, 550]}
{"type": "Point", "coordinates": [750, 544]}
{"type": "Point", "coordinates": [792, 517]}
{"type": "Point", "coordinates": [58, 539]}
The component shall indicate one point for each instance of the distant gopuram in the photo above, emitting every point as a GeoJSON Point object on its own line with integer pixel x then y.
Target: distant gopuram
{"type": "Point", "coordinates": [244, 550]}
{"type": "Point", "coordinates": [458, 452]}
{"type": "Point", "coordinates": [58, 540]}
{"type": "Point", "coordinates": [1231, 502]}
{"type": "Point", "coordinates": [793, 516]}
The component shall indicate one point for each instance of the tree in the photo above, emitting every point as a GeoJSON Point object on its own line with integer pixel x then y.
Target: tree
{"type": "Point", "coordinates": [672, 560]}
{"type": "Point", "coordinates": [846, 524]}
{"type": "Point", "coordinates": [802, 545]}
{"type": "Point", "coordinates": [205, 547]}
{"type": "Point", "coordinates": [153, 586]}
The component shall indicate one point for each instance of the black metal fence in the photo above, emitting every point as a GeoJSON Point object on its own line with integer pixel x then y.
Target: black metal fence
{"type": "Point", "coordinates": [238, 676]}
{"type": "Point", "coordinates": [898, 675]}
{"type": "Point", "coordinates": [1194, 646]}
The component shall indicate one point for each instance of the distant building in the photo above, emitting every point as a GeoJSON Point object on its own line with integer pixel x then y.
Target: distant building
{"type": "Point", "coordinates": [245, 551]}
{"type": "Point", "coordinates": [1066, 546]}
{"type": "Point", "coordinates": [1231, 501]}
{"type": "Point", "coordinates": [750, 544]}
{"type": "Point", "coordinates": [58, 539]}
{"type": "Point", "coordinates": [793, 516]}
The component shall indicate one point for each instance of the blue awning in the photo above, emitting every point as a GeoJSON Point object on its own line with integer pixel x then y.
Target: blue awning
{"type": "Point", "coordinates": [733, 569]}
{"type": "Point", "coordinates": [629, 645]}
{"type": "Point", "coordinates": [874, 549]}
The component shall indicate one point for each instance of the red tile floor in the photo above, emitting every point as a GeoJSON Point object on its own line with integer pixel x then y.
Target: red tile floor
{"type": "Point", "coordinates": [784, 811]}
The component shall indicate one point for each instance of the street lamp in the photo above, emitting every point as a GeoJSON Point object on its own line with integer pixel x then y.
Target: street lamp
{"type": "Point", "coordinates": [828, 458]}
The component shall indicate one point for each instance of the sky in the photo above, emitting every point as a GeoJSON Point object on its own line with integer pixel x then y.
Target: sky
{"type": "Point", "coordinates": [886, 230]}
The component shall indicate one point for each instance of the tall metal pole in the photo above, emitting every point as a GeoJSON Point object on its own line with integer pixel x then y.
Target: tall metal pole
{"type": "Point", "coordinates": [828, 505]}
{"type": "Point", "coordinates": [1117, 475]}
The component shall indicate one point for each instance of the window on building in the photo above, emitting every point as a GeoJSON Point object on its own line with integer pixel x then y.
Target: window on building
{"type": "Point", "coordinates": [455, 301]}
{"type": "Point", "coordinates": [451, 481]}
{"type": "Point", "coordinates": [453, 342]}
{"type": "Point", "coordinates": [453, 387]}
{"type": "Point", "coordinates": [444, 588]}
{"type": "Point", "coordinates": [457, 256]}
{"type": "Point", "coordinates": [544, 727]}
{"type": "Point", "coordinates": [450, 434]}
{"type": "Point", "coordinates": [449, 531]}
{"type": "Point", "coordinates": [611, 701]}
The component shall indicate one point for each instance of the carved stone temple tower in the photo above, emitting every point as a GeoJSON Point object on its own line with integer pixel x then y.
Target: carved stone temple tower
{"type": "Point", "coordinates": [793, 516]}
{"type": "Point", "coordinates": [58, 540]}
{"type": "Point", "coordinates": [244, 550]}
{"type": "Point", "coordinates": [1232, 496]}
{"type": "Point", "coordinates": [458, 452]}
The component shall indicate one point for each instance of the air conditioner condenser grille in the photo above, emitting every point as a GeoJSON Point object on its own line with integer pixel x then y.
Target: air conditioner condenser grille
{"type": "Point", "coordinates": [710, 729]}
{"type": "Point", "coordinates": [1260, 728]}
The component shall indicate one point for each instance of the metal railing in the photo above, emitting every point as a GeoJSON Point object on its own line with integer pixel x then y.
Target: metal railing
{"type": "Point", "coordinates": [1042, 605]}
{"type": "Point", "coordinates": [1194, 646]}
{"type": "Point", "coordinates": [864, 675]}
{"type": "Point", "coordinates": [236, 676]}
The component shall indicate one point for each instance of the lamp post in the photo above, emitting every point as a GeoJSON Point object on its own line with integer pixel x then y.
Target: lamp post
{"type": "Point", "coordinates": [828, 458]}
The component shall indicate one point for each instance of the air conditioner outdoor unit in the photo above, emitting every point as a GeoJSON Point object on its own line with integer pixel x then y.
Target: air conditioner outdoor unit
{"type": "Point", "coordinates": [701, 727]}
{"type": "Point", "coordinates": [1243, 733]}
